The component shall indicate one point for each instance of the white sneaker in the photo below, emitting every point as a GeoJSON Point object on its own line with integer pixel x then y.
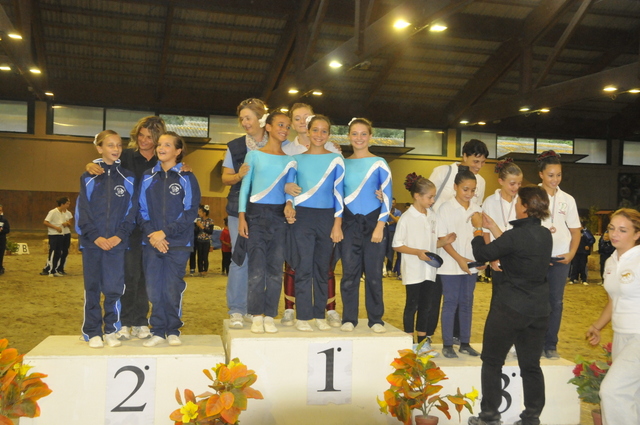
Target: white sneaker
{"type": "Point", "coordinates": [322, 325]}
{"type": "Point", "coordinates": [304, 326]}
{"type": "Point", "coordinates": [174, 340]}
{"type": "Point", "coordinates": [257, 326]}
{"type": "Point", "coordinates": [270, 325]}
{"type": "Point", "coordinates": [112, 340]}
{"type": "Point", "coordinates": [347, 327]}
{"type": "Point", "coordinates": [56, 274]}
{"type": "Point", "coordinates": [235, 321]}
{"type": "Point", "coordinates": [334, 319]}
{"type": "Point", "coordinates": [248, 318]}
{"type": "Point", "coordinates": [96, 342]}
{"type": "Point", "coordinates": [426, 349]}
{"type": "Point", "coordinates": [153, 341]}
{"type": "Point", "coordinates": [142, 332]}
{"type": "Point", "coordinates": [287, 317]}
{"type": "Point", "coordinates": [378, 328]}
{"type": "Point", "coordinates": [124, 333]}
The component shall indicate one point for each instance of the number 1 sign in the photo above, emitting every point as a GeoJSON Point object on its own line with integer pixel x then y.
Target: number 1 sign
{"type": "Point", "coordinates": [329, 372]}
{"type": "Point", "coordinates": [131, 385]}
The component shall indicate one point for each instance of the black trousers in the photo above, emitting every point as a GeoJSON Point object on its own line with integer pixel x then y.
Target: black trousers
{"type": "Point", "coordinates": [505, 327]}
{"type": "Point", "coordinates": [65, 251]}
{"type": "Point", "coordinates": [226, 262]}
{"type": "Point", "coordinates": [359, 255]}
{"type": "Point", "coordinates": [3, 248]}
{"type": "Point", "coordinates": [56, 244]}
{"type": "Point", "coordinates": [135, 302]}
{"type": "Point", "coordinates": [421, 298]}
{"type": "Point", "coordinates": [202, 250]}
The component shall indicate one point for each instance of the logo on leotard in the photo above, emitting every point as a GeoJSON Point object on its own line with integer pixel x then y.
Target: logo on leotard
{"type": "Point", "coordinates": [119, 190]}
{"type": "Point", "coordinates": [627, 276]}
{"type": "Point", "coordinates": [562, 208]}
{"type": "Point", "coordinates": [175, 188]}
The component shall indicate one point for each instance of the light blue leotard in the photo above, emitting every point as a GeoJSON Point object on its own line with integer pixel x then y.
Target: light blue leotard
{"type": "Point", "coordinates": [363, 176]}
{"type": "Point", "coordinates": [321, 179]}
{"type": "Point", "coordinates": [275, 171]}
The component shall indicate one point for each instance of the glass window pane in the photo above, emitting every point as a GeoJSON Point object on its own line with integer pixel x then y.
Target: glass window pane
{"type": "Point", "coordinates": [122, 121]}
{"type": "Point", "coordinates": [631, 153]}
{"type": "Point", "coordinates": [77, 120]}
{"type": "Point", "coordinates": [381, 136]}
{"type": "Point", "coordinates": [425, 142]}
{"type": "Point", "coordinates": [222, 130]}
{"type": "Point", "coordinates": [187, 126]}
{"type": "Point", "coordinates": [490, 139]}
{"type": "Point", "coordinates": [596, 149]}
{"type": "Point", "coordinates": [508, 144]}
{"type": "Point", "coordinates": [559, 145]}
{"type": "Point", "coordinates": [14, 116]}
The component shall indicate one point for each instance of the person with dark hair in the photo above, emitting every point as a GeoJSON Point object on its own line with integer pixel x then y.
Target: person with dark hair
{"type": "Point", "coordinates": [58, 223]}
{"type": "Point", "coordinates": [225, 248]}
{"type": "Point", "coordinates": [578, 271]}
{"type": "Point", "coordinates": [169, 200]}
{"type": "Point", "coordinates": [263, 212]}
{"type": "Point", "coordinates": [520, 308]}
{"type": "Point", "coordinates": [564, 225]}
{"type": "Point", "coordinates": [415, 238]}
{"type": "Point", "coordinates": [605, 249]}
{"type": "Point", "coordinates": [458, 279]}
{"type": "Point", "coordinates": [5, 228]}
{"type": "Point", "coordinates": [392, 223]}
{"type": "Point", "coordinates": [203, 229]}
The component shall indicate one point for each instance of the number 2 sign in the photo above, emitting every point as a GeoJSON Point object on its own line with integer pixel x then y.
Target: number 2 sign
{"type": "Point", "coordinates": [131, 385]}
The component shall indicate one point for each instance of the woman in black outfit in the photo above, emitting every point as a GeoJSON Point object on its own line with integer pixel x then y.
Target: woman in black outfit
{"type": "Point", "coordinates": [520, 308]}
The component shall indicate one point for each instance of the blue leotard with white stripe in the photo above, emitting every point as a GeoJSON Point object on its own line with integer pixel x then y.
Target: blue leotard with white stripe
{"type": "Point", "coordinates": [264, 183]}
{"type": "Point", "coordinates": [363, 176]}
{"type": "Point", "coordinates": [321, 179]}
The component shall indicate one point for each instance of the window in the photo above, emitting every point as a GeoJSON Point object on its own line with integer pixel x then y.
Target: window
{"type": "Point", "coordinates": [381, 136]}
{"type": "Point", "coordinates": [559, 145]}
{"type": "Point", "coordinates": [122, 121]}
{"type": "Point", "coordinates": [490, 139]}
{"type": "Point", "coordinates": [425, 142]}
{"type": "Point", "coordinates": [222, 130]}
{"type": "Point", "coordinates": [187, 126]}
{"type": "Point", "coordinates": [77, 120]}
{"type": "Point", "coordinates": [596, 149]}
{"type": "Point", "coordinates": [14, 116]}
{"type": "Point", "coordinates": [631, 153]}
{"type": "Point", "coordinates": [509, 144]}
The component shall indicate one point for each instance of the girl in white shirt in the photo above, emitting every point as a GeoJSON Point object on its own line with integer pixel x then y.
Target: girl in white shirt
{"type": "Point", "coordinates": [620, 390]}
{"type": "Point", "coordinates": [415, 236]}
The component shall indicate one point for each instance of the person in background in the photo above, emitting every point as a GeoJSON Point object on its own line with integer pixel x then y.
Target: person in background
{"type": "Point", "coordinates": [58, 223]}
{"type": "Point", "coordinates": [4, 230]}
{"type": "Point", "coordinates": [394, 216]}
{"type": "Point", "coordinates": [605, 249]}
{"type": "Point", "coordinates": [620, 389]}
{"type": "Point", "coordinates": [204, 228]}
{"type": "Point", "coordinates": [578, 271]}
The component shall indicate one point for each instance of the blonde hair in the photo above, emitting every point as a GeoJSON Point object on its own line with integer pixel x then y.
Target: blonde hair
{"type": "Point", "coordinates": [362, 121]}
{"type": "Point", "coordinates": [633, 216]}
{"type": "Point", "coordinates": [154, 124]}
{"type": "Point", "coordinates": [256, 106]}
{"type": "Point", "coordinates": [298, 106]}
{"type": "Point", "coordinates": [100, 137]}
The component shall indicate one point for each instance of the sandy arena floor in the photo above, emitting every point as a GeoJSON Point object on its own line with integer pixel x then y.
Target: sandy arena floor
{"type": "Point", "coordinates": [34, 307]}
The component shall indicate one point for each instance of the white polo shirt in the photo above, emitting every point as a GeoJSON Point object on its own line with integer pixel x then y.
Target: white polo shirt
{"type": "Point", "coordinates": [416, 230]}
{"type": "Point", "coordinates": [438, 176]}
{"type": "Point", "coordinates": [453, 217]}
{"type": "Point", "coordinates": [56, 218]}
{"type": "Point", "coordinates": [501, 211]}
{"type": "Point", "coordinates": [563, 216]}
{"type": "Point", "coordinates": [622, 283]}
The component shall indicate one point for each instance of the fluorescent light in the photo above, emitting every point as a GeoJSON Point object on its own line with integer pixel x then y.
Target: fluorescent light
{"type": "Point", "coordinates": [481, 123]}
{"type": "Point", "coordinates": [437, 28]}
{"type": "Point", "coordinates": [401, 24]}
{"type": "Point", "coordinates": [610, 88]}
{"type": "Point", "coordinates": [48, 93]}
{"type": "Point", "coordinates": [545, 110]}
{"type": "Point", "coordinates": [524, 109]}
{"type": "Point", "coordinates": [316, 93]}
{"type": "Point", "coordinates": [634, 91]}
{"type": "Point", "coordinates": [335, 64]}
{"type": "Point", "coordinates": [5, 68]}
{"type": "Point", "coordinates": [464, 122]}
{"type": "Point", "coordinates": [293, 91]}
{"type": "Point", "coordinates": [284, 109]}
{"type": "Point", "coordinates": [15, 36]}
{"type": "Point", "coordinates": [35, 71]}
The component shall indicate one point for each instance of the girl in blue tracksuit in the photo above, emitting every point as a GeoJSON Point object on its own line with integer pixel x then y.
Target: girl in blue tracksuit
{"type": "Point", "coordinates": [105, 216]}
{"type": "Point", "coordinates": [262, 222]}
{"type": "Point", "coordinates": [364, 244]}
{"type": "Point", "coordinates": [318, 224]}
{"type": "Point", "coordinates": [169, 200]}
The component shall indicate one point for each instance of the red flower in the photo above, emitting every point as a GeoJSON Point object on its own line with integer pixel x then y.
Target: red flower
{"type": "Point", "coordinates": [578, 369]}
{"type": "Point", "coordinates": [596, 370]}
{"type": "Point", "coordinates": [608, 347]}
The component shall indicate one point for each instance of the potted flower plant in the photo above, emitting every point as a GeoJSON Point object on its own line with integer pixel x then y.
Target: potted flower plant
{"type": "Point", "coordinates": [414, 386]}
{"type": "Point", "coordinates": [232, 388]}
{"type": "Point", "coordinates": [19, 389]}
{"type": "Point", "coordinates": [587, 377]}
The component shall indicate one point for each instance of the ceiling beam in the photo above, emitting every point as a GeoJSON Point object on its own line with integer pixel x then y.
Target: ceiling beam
{"type": "Point", "coordinates": [375, 87]}
{"type": "Point", "coordinates": [618, 47]}
{"type": "Point", "coordinates": [166, 41]}
{"type": "Point", "coordinates": [575, 90]}
{"type": "Point", "coordinates": [563, 40]}
{"type": "Point", "coordinates": [315, 29]}
{"type": "Point", "coordinates": [537, 22]}
{"type": "Point", "coordinates": [378, 36]}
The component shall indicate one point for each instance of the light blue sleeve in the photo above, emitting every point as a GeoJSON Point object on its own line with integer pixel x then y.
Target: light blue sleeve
{"type": "Point", "coordinates": [245, 189]}
{"type": "Point", "coordinates": [228, 160]}
{"type": "Point", "coordinates": [291, 178]}
{"type": "Point", "coordinates": [338, 189]}
{"type": "Point", "coordinates": [384, 179]}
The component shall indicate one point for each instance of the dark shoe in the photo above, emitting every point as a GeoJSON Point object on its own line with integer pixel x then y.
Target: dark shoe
{"type": "Point", "coordinates": [2, 271]}
{"type": "Point", "coordinates": [449, 352]}
{"type": "Point", "coordinates": [467, 349]}
{"type": "Point", "coordinates": [44, 274]}
{"type": "Point", "coordinates": [474, 420]}
{"type": "Point", "coordinates": [551, 354]}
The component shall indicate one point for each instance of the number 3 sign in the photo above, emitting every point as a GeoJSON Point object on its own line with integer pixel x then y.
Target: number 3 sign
{"type": "Point", "coordinates": [131, 385]}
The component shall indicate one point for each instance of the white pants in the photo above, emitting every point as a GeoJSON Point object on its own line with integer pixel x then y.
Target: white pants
{"type": "Point", "coordinates": [620, 390]}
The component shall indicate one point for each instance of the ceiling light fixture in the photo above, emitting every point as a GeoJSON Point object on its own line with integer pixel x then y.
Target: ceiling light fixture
{"type": "Point", "coordinates": [15, 36]}
{"type": "Point", "coordinates": [544, 110]}
{"type": "Point", "coordinates": [35, 71]}
{"type": "Point", "coordinates": [48, 93]}
{"type": "Point", "coordinates": [401, 24]}
{"type": "Point", "coordinates": [610, 88]}
{"type": "Point", "coordinates": [634, 91]}
{"type": "Point", "coordinates": [282, 109]}
{"type": "Point", "coordinates": [5, 68]}
{"type": "Point", "coordinates": [335, 64]}
{"type": "Point", "coordinates": [316, 93]}
{"type": "Point", "coordinates": [464, 122]}
{"type": "Point", "coordinates": [293, 91]}
{"type": "Point", "coordinates": [437, 28]}
{"type": "Point", "coordinates": [524, 109]}
{"type": "Point", "coordinates": [482, 123]}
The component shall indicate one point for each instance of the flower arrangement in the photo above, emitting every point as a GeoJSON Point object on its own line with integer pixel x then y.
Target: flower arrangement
{"type": "Point", "coordinates": [414, 386]}
{"type": "Point", "coordinates": [232, 386]}
{"type": "Point", "coordinates": [588, 375]}
{"type": "Point", "coordinates": [19, 389]}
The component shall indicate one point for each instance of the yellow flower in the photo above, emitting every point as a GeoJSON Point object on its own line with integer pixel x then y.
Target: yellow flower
{"type": "Point", "coordinates": [473, 395]}
{"type": "Point", "coordinates": [189, 411]}
{"type": "Point", "coordinates": [21, 369]}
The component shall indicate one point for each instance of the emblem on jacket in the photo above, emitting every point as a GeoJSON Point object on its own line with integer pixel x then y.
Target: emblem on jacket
{"type": "Point", "coordinates": [627, 276]}
{"type": "Point", "coordinates": [119, 190]}
{"type": "Point", "coordinates": [175, 189]}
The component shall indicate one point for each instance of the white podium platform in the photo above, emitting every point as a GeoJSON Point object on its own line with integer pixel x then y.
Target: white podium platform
{"type": "Point", "coordinates": [126, 385]}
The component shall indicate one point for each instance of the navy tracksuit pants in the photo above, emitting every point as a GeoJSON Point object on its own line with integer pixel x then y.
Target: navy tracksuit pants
{"type": "Point", "coordinates": [103, 273]}
{"type": "Point", "coordinates": [359, 255]}
{"type": "Point", "coordinates": [165, 285]}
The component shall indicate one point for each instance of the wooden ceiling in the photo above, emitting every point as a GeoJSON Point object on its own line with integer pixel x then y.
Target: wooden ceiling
{"type": "Point", "coordinates": [205, 56]}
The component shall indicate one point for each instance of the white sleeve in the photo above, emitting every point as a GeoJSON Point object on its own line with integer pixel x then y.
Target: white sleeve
{"type": "Point", "coordinates": [573, 219]}
{"type": "Point", "coordinates": [400, 236]}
